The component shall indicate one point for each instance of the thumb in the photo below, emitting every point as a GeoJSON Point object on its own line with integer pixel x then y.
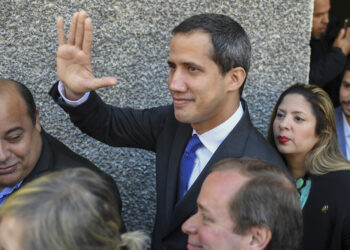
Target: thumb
{"type": "Point", "coordinates": [338, 40]}
{"type": "Point", "coordinates": [347, 32]}
{"type": "Point", "coordinates": [341, 34]}
{"type": "Point", "coordinates": [102, 82]}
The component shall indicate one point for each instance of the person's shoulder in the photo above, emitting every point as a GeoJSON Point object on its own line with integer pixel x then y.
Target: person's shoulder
{"type": "Point", "coordinates": [256, 137]}
{"type": "Point", "coordinates": [258, 147]}
{"type": "Point", "coordinates": [338, 110]}
{"type": "Point", "coordinates": [64, 157]}
{"type": "Point", "coordinates": [339, 180]}
{"type": "Point", "coordinates": [341, 175]}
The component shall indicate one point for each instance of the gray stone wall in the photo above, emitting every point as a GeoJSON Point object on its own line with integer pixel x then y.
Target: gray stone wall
{"type": "Point", "coordinates": [131, 42]}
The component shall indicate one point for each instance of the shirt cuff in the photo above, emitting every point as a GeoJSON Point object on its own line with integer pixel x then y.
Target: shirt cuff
{"type": "Point", "coordinates": [70, 102]}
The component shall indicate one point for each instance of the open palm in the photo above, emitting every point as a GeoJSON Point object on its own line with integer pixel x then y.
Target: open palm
{"type": "Point", "coordinates": [74, 58]}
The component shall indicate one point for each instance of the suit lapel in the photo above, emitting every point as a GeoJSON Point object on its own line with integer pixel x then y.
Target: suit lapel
{"type": "Point", "coordinates": [340, 130]}
{"type": "Point", "coordinates": [182, 135]}
{"type": "Point", "coordinates": [232, 146]}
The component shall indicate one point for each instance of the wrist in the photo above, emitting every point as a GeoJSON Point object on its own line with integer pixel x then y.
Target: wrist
{"type": "Point", "coordinates": [71, 95]}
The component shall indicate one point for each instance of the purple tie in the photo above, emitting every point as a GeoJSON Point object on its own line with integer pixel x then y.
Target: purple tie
{"type": "Point", "coordinates": [187, 163]}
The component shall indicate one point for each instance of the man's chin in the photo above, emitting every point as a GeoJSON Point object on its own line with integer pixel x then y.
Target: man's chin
{"type": "Point", "coordinates": [319, 35]}
{"type": "Point", "coordinates": [347, 114]}
{"type": "Point", "coordinates": [194, 246]}
{"type": "Point", "coordinates": [182, 116]}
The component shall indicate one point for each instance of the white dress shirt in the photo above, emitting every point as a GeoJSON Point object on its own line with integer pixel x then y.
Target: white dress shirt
{"type": "Point", "coordinates": [211, 140]}
{"type": "Point", "coordinates": [70, 102]}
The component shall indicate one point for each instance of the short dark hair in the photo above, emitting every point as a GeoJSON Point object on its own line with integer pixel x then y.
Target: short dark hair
{"type": "Point", "coordinates": [26, 95]}
{"type": "Point", "coordinates": [268, 199]}
{"type": "Point", "coordinates": [231, 45]}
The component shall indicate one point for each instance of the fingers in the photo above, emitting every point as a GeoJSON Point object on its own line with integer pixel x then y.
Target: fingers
{"type": "Point", "coordinates": [338, 40]}
{"type": "Point", "coordinates": [79, 33]}
{"type": "Point", "coordinates": [347, 33]}
{"type": "Point", "coordinates": [87, 42]}
{"type": "Point", "coordinates": [72, 29]}
{"type": "Point", "coordinates": [60, 32]}
{"type": "Point", "coordinates": [341, 34]}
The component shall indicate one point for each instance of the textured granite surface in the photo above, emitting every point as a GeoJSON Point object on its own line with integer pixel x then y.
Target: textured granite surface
{"type": "Point", "coordinates": [131, 42]}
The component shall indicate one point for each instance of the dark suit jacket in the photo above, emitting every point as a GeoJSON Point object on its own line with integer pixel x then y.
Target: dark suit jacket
{"type": "Point", "coordinates": [339, 122]}
{"type": "Point", "coordinates": [156, 129]}
{"type": "Point", "coordinates": [56, 156]}
{"type": "Point", "coordinates": [328, 227]}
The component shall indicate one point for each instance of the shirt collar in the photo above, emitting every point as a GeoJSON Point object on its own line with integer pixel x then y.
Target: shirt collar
{"type": "Point", "coordinates": [214, 137]}
{"type": "Point", "coordinates": [346, 126]}
{"type": "Point", "coordinates": [7, 191]}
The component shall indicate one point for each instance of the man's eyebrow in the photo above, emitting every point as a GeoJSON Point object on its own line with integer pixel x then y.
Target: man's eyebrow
{"type": "Point", "coordinates": [170, 63]}
{"type": "Point", "coordinates": [13, 130]}
{"type": "Point", "coordinates": [346, 82]}
{"type": "Point", "coordinates": [192, 64]}
{"type": "Point", "coordinates": [201, 207]}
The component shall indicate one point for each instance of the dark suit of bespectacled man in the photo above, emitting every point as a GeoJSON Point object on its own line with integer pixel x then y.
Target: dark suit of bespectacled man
{"type": "Point", "coordinates": [209, 59]}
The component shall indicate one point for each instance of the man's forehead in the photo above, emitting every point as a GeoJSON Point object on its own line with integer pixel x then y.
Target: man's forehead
{"type": "Point", "coordinates": [347, 74]}
{"type": "Point", "coordinates": [321, 6]}
{"type": "Point", "coordinates": [224, 182]}
{"type": "Point", "coordinates": [219, 188]}
{"type": "Point", "coordinates": [191, 49]}
{"type": "Point", "coordinates": [13, 113]}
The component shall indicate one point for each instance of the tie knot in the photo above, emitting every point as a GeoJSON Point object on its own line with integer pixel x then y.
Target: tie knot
{"type": "Point", "coordinates": [193, 144]}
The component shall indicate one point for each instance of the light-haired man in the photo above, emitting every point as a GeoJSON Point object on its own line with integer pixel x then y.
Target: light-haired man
{"type": "Point", "coordinates": [246, 204]}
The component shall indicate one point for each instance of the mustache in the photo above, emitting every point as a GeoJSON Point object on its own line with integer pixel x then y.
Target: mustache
{"type": "Point", "coordinates": [345, 102]}
{"type": "Point", "coordinates": [7, 163]}
{"type": "Point", "coordinates": [181, 96]}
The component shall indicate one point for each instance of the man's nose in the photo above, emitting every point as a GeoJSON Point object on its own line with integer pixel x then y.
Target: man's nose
{"type": "Point", "coordinates": [189, 226]}
{"type": "Point", "coordinates": [177, 82]}
{"type": "Point", "coordinates": [325, 18]}
{"type": "Point", "coordinates": [4, 152]}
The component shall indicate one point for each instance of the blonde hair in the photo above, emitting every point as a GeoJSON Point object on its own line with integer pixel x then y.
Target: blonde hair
{"type": "Point", "coordinates": [68, 210]}
{"type": "Point", "coordinates": [325, 156]}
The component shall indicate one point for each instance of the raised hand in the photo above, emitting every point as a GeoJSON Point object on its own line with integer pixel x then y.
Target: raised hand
{"type": "Point", "coordinates": [74, 58]}
{"type": "Point", "coordinates": [343, 41]}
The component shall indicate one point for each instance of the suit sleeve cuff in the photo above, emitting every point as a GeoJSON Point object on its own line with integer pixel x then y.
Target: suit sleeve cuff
{"type": "Point", "coordinates": [70, 102]}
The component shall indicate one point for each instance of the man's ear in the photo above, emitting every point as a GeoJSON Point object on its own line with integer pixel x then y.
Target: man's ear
{"type": "Point", "coordinates": [37, 120]}
{"type": "Point", "coordinates": [259, 237]}
{"type": "Point", "coordinates": [235, 78]}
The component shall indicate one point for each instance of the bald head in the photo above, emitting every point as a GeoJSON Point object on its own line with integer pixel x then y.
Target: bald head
{"type": "Point", "coordinates": [20, 139]}
{"type": "Point", "coordinates": [14, 89]}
